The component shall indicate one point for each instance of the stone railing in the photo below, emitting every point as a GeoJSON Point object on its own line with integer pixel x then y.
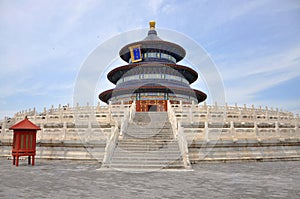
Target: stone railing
{"type": "Point", "coordinates": [195, 113]}
{"type": "Point", "coordinates": [111, 145]}
{"type": "Point", "coordinates": [172, 119]}
{"type": "Point", "coordinates": [128, 116]}
{"type": "Point", "coordinates": [185, 112]}
{"type": "Point", "coordinates": [124, 124]}
{"type": "Point", "coordinates": [183, 146]}
{"type": "Point", "coordinates": [132, 111]}
{"type": "Point", "coordinates": [179, 136]}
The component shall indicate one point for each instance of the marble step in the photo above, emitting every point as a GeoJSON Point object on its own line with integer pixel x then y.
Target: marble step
{"type": "Point", "coordinates": [145, 167]}
{"type": "Point", "coordinates": [146, 153]}
{"type": "Point", "coordinates": [147, 163]}
{"type": "Point", "coordinates": [149, 146]}
{"type": "Point", "coordinates": [147, 159]}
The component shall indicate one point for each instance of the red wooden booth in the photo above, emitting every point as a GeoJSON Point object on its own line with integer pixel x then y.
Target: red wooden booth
{"type": "Point", "coordinates": [24, 141]}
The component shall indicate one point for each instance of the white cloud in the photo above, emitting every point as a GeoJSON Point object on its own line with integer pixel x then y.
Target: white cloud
{"type": "Point", "coordinates": [155, 5]}
{"type": "Point", "coordinates": [284, 61]}
{"type": "Point", "coordinates": [211, 16]}
{"type": "Point", "coordinates": [262, 73]}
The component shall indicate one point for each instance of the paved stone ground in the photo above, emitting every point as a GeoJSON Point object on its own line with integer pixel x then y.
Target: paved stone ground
{"type": "Point", "coordinates": [74, 179]}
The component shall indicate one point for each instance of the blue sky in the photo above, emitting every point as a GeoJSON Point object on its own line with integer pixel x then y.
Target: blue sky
{"type": "Point", "coordinates": [254, 44]}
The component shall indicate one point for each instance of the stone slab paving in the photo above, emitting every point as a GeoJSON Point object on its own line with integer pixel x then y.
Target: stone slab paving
{"type": "Point", "coordinates": [75, 179]}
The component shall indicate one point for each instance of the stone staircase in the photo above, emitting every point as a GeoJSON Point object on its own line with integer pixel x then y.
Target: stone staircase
{"type": "Point", "coordinates": [148, 143]}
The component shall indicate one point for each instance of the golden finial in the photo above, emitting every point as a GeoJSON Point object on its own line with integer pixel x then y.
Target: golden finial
{"type": "Point", "coordinates": [152, 24]}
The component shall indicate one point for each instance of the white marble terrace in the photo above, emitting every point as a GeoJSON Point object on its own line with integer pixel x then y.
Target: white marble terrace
{"type": "Point", "coordinates": [201, 121]}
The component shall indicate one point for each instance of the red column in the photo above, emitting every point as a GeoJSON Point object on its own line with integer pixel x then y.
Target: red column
{"type": "Point", "coordinates": [17, 162]}
{"type": "Point", "coordinates": [32, 161]}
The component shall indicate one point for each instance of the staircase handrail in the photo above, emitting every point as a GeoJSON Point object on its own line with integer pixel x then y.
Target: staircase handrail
{"type": "Point", "coordinates": [172, 118]}
{"type": "Point", "coordinates": [183, 146]}
{"type": "Point", "coordinates": [179, 136]}
{"type": "Point", "coordinates": [132, 111]}
{"type": "Point", "coordinates": [111, 145]}
{"type": "Point", "coordinates": [127, 118]}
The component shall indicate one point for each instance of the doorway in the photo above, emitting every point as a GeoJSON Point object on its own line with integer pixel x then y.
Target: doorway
{"type": "Point", "coordinates": [152, 108]}
{"type": "Point", "coordinates": [151, 105]}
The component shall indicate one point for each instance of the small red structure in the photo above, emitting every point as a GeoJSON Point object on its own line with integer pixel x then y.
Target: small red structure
{"type": "Point", "coordinates": [24, 140]}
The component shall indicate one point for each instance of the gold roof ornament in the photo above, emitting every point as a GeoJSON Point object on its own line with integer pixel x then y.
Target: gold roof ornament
{"type": "Point", "coordinates": [152, 24]}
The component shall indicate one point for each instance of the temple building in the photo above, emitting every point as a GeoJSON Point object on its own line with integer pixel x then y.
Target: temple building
{"type": "Point", "coordinates": [152, 75]}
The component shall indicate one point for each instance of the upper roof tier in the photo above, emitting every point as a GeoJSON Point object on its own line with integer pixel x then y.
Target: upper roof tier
{"type": "Point", "coordinates": [152, 43]}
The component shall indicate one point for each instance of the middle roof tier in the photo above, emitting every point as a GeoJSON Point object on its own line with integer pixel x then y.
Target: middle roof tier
{"type": "Point", "coordinates": [152, 68]}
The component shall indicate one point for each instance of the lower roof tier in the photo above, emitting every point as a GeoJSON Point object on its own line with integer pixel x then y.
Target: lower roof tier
{"type": "Point", "coordinates": [107, 95]}
{"type": "Point", "coordinates": [153, 67]}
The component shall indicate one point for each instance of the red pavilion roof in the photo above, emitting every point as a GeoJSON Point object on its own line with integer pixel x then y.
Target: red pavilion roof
{"type": "Point", "coordinates": [25, 125]}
